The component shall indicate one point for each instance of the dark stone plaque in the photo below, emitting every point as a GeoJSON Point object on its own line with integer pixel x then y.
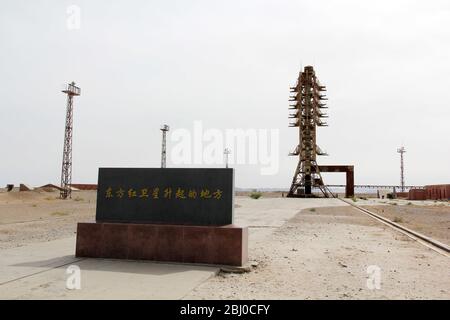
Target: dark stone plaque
{"type": "Point", "coordinates": [167, 196]}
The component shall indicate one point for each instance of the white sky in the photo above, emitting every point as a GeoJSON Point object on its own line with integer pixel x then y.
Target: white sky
{"type": "Point", "coordinates": [230, 64]}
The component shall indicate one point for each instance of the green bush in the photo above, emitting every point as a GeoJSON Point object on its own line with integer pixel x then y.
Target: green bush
{"type": "Point", "coordinates": [255, 195]}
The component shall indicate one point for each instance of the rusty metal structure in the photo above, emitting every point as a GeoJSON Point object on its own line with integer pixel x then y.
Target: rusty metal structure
{"type": "Point", "coordinates": [309, 110]}
{"type": "Point", "coordinates": [349, 176]}
{"type": "Point", "coordinates": [66, 172]}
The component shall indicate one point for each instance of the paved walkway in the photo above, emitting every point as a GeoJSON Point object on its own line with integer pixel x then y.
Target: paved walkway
{"type": "Point", "coordinates": [38, 271]}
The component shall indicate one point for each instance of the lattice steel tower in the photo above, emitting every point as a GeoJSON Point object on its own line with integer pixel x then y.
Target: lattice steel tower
{"type": "Point", "coordinates": [66, 172]}
{"type": "Point", "coordinates": [164, 128]}
{"type": "Point", "coordinates": [402, 150]}
{"type": "Point", "coordinates": [308, 99]}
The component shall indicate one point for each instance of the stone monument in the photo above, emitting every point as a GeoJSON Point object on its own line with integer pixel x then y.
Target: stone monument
{"type": "Point", "coordinates": [171, 215]}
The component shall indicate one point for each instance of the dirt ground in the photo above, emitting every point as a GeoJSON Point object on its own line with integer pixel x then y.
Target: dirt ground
{"type": "Point", "coordinates": [30, 217]}
{"type": "Point", "coordinates": [321, 252]}
{"type": "Point", "coordinates": [324, 253]}
{"type": "Point", "coordinates": [432, 221]}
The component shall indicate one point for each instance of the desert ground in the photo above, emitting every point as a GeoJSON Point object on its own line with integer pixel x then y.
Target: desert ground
{"type": "Point", "coordinates": [298, 249]}
{"type": "Point", "coordinates": [431, 220]}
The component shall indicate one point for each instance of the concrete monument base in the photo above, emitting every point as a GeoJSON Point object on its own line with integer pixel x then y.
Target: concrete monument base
{"type": "Point", "coordinates": [223, 245]}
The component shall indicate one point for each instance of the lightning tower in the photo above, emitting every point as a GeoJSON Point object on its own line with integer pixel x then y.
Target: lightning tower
{"type": "Point", "coordinates": [402, 150]}
{"type": "Point", "coordinates": [66, 172]}
{"type": "Point", "coordinates": [164, 129]}
{"type": "Point", "coordinates": [226, 153]}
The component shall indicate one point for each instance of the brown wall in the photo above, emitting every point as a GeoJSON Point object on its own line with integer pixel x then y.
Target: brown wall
{"type": "Point", "coordinates": [84, 186]}
{"type": "Point", "coordinates": [438, 192]}
{"type": "Point", "coordinates": [417, 194]}
{"type": "Point", "coordinates": [403, 195]}
{"type": "Point", "coordinates": [431, 192]}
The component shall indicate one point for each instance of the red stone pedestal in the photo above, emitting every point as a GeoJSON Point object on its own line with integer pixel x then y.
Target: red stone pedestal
{"type": "Point", "coordinates": [225, 245]}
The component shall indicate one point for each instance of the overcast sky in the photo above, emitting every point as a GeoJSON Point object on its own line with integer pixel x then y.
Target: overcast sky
{"type": "Point", "coordinates": [229, 64]}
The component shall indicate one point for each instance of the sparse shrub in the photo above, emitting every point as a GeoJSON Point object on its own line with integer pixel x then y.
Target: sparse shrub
{"type": "Point", "coordinates": [354, 199]}
{"type": "Point", "coordinates": [59, 214]}
{"type": "Point", "coordinates": [312, 210]}
{"type": "Point", "coordinates": [255, 195]}
{"type": "Point", "coordinates": [78, 199]}
{"type": "Point", "coordinates": [409, 204]}
{"type": "Point", "coordinates": [393, 203]}
{"type": "Point", "coordinates": [398, 219]}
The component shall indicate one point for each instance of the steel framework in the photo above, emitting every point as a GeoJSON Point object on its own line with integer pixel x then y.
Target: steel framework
{"type": "Point", "coordinates": [372, 186]}
{"type": "Point", "coordinates": [309, 110]}
{"type": "Point", "coordinates": [226, 153]}
{"type": "Point", "coordinates": [402, 150]}
{"type": "Point", "coordinates": [66, 172]}
{"type": "Point", "coordinates": [164, 129]}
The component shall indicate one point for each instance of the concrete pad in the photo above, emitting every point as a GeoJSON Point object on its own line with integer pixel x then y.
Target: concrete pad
{"type": "Point", "coordinates": [24, 261]}
{"type": "Point", "coordinates": [274, 212]}
{"type": "Point", "coordinates": [38, 271]}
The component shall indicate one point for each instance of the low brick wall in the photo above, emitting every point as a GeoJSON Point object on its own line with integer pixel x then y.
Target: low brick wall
{"type": "Point", "coordinates": [417, 194]}
{"type": "Point", "coordinates": [438, 192]}
{"type": "Point", "coordinates": [84, 186]}
{"type": "Point", "coordinates": [404, 195]}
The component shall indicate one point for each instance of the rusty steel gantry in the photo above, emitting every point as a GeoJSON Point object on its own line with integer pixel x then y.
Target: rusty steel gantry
{"type": "Point", "coordinates": [309, 110]}
{"type": "Point", "coordinates": [66, 172]}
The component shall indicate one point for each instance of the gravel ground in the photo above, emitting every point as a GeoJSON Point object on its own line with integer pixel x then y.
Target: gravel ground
{"type": "Point", "coordinates": [298, 252]}
{"type": "Point", "coordinates": [432, 221]}
{"type": "Point", "coordinates": [30, 217]}
{"type": "Point", "coordinates": [324, 253]}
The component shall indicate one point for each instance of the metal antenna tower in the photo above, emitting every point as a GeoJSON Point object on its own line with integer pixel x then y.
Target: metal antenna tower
{"type": "Point", "coordinates": [308, 105]}
{"type": "Point", "coordinates": [164, 129]}
{"type": "Point", "coordinates": [226, 152]}
{"type": "Point", "coordinates": [66, 172]}
{"type": "Point", "coordinates": [402, 150]}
